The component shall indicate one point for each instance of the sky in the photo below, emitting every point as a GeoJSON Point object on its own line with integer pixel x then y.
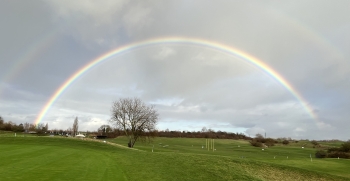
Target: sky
{"type": "Point", "coordinates": [275, 67]}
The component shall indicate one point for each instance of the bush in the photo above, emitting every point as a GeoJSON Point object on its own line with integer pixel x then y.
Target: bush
{"type": "Point", "coordinates": [342, 152]}
{"type": "Point", "coordinates": [285, 142]}
{"type": "Point", "coordinates": [314, 142]}
{"type": "Point", "coordinates": [269, 142]}
{"type": "Point", "coordinates": [321, 154]}
{"type": "Point", "coordinates": [345, 147]}
{"type": "Point", "coordinates": [339, 154]}
{"type": "Point", "coordinates": [333, 150]}
{"type": "Point", "coordinates": [255, 143]}
{"type": "Point", "coordinates": [259, 141]}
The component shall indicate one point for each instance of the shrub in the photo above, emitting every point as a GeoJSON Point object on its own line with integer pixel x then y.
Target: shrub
{"type": "Point", "coordinates": [314, 142]}
{"type": "Point", "coordinates": [285, 142]}
{"type": "Point", "coordinates": [342, 152]}
{"type": "Point", "coordinates": [345, 147]}
{"type": "Point", "coordinates": [333, 150]}
{"type": "Point", "coordinates": [259, 141]}
{"type": "Point", "coordinates": [255, 143]}
{"type": "Point", "coordinates": [339, 154]}
{"type": "Point", "coordinates": [321, 154]}
{"type": "Point", "coordinates": [270, 144]}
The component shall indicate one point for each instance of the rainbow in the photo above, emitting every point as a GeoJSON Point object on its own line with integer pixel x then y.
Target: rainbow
{"type": "Point", "coordinates": [169, 40]}
{"type": "Point", "coordinates": [309, 33]}
{"type": "Point", "coordinates": [34, 50]}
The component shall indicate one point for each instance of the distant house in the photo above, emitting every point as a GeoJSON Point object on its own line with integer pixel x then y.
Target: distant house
{"type": "Point", "coordinates": [32, 132]}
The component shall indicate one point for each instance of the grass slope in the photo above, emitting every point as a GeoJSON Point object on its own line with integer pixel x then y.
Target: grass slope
{"type": "Point", "coordinates": [292, 155]}
{"type": "Point", "coordinates": [52, 158]}
{"type": "Point", "coordinates": [40, 158]}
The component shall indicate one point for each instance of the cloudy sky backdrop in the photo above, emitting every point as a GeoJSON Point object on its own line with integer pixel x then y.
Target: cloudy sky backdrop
{"type": "Point", "coordinates": [43, 43]}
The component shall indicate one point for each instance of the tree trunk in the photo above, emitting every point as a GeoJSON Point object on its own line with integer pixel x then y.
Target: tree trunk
{"type": "Point", "coordinates": [131, 143]}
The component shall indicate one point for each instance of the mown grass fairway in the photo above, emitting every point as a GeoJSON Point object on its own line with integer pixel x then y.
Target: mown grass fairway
{"type": "Point", "coordinates": [292, 155]}
{"type": "Point", "coordinates": [54, 158]}
{"type": "Point", "coordinates": [12, 134]}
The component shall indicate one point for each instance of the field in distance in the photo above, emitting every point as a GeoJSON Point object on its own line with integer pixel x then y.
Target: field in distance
{"type": "Point", "coordinates": [56, 158]}
{"type": "Point", "coordinates": [293, 155]}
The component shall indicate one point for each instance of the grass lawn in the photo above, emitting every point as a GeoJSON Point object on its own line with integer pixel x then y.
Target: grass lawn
{"type": "Point", "coordinates": [292, 155]}
{"type": "Point", "coordinates": [56, 158]}
{"type": "Point", "coordinates": [12, 134]}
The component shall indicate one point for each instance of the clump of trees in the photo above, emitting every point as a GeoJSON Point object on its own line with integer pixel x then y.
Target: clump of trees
{"type": "Point", "coordinates": [204, 133]}
{"type": "Point", "coordinates": [342, 152]}
{"type": "Point", "coordinates": [260, 141]}
{"type": "Point", "coordinates": [10, 126]}
{"type": "Point", "coordinates": [26, 127]}
{"type": "Point", "coordinates": [109, 132]}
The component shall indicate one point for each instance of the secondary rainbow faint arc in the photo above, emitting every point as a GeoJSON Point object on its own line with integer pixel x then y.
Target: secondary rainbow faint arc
{"type": "Point", "coordinates": [224, 48]}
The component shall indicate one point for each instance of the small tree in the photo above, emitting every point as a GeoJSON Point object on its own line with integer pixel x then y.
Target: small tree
{"type": "Point", "coordinates": [75, 126]}
{"type": "Point", "coordinates": [1, 121]}
{"type": "Point", "coordinates": [32, 127]}
{"type": "Point", "coordinates": [69, 131]}
{"type": "Point", "coordinates": [47, 127]}
{"type": "Point", "coordinates": [26, 127]}
{"type": "Point", "coordinates": [135, 118]}
{"type": "Point", "coordinates": [40, 129]}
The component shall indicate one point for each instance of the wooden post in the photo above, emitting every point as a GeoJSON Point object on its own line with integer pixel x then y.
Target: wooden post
{"type": "Point", "coordinates": [213, 144]}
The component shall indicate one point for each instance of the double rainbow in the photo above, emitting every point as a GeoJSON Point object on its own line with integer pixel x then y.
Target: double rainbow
{"type": "Point", "coordinates": [171, 40]}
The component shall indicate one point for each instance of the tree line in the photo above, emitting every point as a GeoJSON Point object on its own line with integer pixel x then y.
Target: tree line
{"type": "Point", "coordinates": [137, 121]}
{"type": "Point", "coordinates": [26, 127]}
{"type": "Point", "coordinates": [201, 134]}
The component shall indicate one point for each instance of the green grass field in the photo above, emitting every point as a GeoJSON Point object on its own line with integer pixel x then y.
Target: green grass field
{"type": "Point", "coordinates": [12, 134]}
{"type": "Point", "coordinates": [292, 155]}
{"type": "Point", "coordinates": [58, 158]}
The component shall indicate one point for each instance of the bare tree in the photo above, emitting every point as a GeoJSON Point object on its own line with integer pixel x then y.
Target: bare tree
{"type": "Point", "coordinates": [47, 127]}
{"type": "Point", "coordinates": [32, 127]}
{"type": "Point", "coordinates": [69, 131]}
{"type": "Point", "coordinates": [26, 127]}
{"type": "Point", "coordinates": [1, 121]}
{"type": "Point", "coordinates": [135, 118]}
{"type": "Point", "coordinates": [75, 127]}
{"type": "Point", "coordinates": [40, 128]}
